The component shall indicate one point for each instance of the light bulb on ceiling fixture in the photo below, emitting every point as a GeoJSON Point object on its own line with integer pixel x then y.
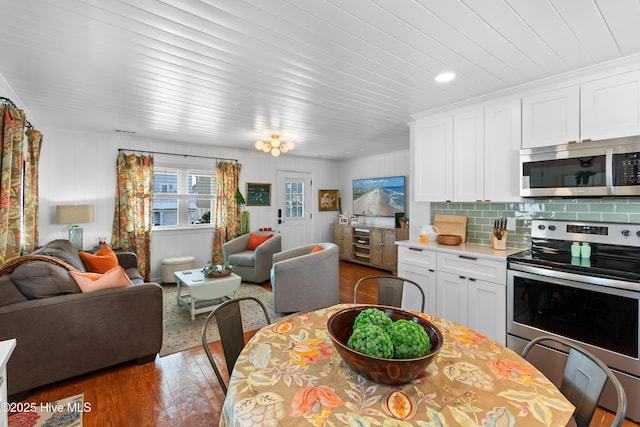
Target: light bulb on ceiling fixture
{"type": "Point", "coordinates": [266, 148]}
{"type": "Point", "coordinates": [259, 144]}
{"type": "Point", "coordinates": [275, 141]}
{"type": "Point", "coordinates": [275, 152]}
{"type": "Point", "coordinates": [284, 148]}
{"type": "Point", "coordinates": [290, 145]}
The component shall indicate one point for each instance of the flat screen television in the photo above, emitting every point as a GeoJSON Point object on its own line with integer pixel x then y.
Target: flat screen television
{"type": "Point", "coordinates": [378, 196]}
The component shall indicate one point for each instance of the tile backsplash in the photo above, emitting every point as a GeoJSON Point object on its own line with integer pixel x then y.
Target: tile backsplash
{"type": "Point", "coordinates": [482, 214]}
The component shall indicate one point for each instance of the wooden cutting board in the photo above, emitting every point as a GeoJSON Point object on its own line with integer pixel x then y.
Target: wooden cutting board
{"type": "Point", "coordinates": [451, 224]}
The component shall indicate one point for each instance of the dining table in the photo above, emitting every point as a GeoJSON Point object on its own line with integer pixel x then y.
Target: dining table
{"type": "Point", "coordinates": [290, 374]}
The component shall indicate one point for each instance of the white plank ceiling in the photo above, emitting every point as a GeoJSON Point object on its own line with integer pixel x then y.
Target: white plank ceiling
{"type": "Point", "coordinates": [338, 77]}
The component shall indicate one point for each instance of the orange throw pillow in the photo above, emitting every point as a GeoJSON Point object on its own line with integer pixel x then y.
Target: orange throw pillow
{"type": "Point", "coordinates": [100, 262]}
{"type": "Point", "coordinates": [317, 248]}
{"type": "Point", "coordinates": [256, 240]}
{"type": "Point", "coordinates": [89, 282]}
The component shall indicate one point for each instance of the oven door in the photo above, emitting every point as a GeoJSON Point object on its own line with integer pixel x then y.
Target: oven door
{"type": "Point", "coordinates": [602, 319]}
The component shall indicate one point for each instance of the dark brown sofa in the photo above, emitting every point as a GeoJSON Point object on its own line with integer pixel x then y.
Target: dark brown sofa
{"type": "Point", "coordinates": [62, 332]}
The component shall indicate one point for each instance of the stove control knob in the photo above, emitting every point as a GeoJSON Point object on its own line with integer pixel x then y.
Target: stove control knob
{"type": "Point", "coordinates": [552, 228]}
{"type": "Point", "coordinates": [626, 233]}
{"type": "Point", "coordinates": [541, 227]}
{"type": "Point", "coordinates": [638, 233]}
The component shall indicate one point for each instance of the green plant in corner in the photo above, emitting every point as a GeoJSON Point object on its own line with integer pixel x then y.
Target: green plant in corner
{"type": "Point", "coordinates": [244, 215]}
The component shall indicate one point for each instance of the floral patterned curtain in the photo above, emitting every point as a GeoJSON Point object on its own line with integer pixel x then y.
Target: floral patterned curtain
{"type": "Point", "coordinates": [30, 192]}
{"type": "Point", "coordinates": [227, 220]}
{"type": "Point", "coordinates": [134, 209]}
{"type": "Point", "coordinates": [11, 168]}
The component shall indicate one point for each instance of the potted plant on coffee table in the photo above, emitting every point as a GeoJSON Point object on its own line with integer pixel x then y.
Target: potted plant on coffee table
{"type": "Point", "coordinates": [217, 270]}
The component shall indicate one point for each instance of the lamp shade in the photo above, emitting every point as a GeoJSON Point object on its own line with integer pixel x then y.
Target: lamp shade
{"type": "Point", "coordinates": [74, 214]}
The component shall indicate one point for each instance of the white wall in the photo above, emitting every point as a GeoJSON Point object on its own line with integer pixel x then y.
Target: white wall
{"type": "Point", "coordinates": [79, 168]}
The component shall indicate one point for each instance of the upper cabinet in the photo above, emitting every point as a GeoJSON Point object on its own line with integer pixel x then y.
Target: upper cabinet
{"type": "Point", "coordinates": [610, 107]}
{"type": "Point", "coordinates": [502, 140]}
{"type": "Point", "coordinates": [468, 147]}
{"type": "Point", "coordinates": [551, 118]}
{"type": "Point", "coordinates": [469, 154]}
{"type": "Point", "coordinates": [433, 157]}
{"type": "Point", "coordinates": [599, 109]}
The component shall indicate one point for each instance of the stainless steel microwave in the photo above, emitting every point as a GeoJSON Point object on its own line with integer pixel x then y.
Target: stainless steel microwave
{"type": "Point", "coordinates": [598, 168]}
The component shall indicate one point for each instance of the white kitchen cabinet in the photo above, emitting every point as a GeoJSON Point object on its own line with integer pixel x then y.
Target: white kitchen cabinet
{"type": "Point", "coordinates": [502, 141]}
{"type": "Point", "coordinates": [472, 291]}
{"type": "Point", "coordinates": [478, 304]}
{"type": "Point", "coordinates": [469, 154]}
{"type": "Point", "coordinates": [418, 265]}
{"type": "Point", "coordinates": [468, 147]}
{"type": "Point", "coordinates": [551, 118]}
{"type": "Point", "coordinates": [453, 297]}
{"type": "Point", "coordinates": [433, 157]}
{"type": "Point", "coordinates": [603, 108]}
{"type": "Point", "coordinates": [485, 311]}
{"type": "Point", "coordinates": [610, 107]}
{"type": "Point", "coordinates": [460, 287]}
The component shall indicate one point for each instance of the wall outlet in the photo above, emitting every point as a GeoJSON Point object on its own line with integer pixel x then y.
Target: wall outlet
{"type": "Point", "coordinates": [511, 224]}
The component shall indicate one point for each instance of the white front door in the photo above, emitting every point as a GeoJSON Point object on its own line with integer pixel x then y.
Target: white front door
{"type": "Point", "coordinates": [294, 209]}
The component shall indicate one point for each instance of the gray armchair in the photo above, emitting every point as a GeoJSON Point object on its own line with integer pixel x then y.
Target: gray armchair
{"type": "Point", "coordinates": [304, 281]}
{"type": "Point", "coordinates": [252, 265]}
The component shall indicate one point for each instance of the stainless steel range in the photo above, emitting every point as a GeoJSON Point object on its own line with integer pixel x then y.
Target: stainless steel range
{"type": "Point", "coordinates": [580, 281]}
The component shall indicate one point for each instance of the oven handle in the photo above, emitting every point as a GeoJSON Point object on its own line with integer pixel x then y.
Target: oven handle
{"type": "Point", "coordinates": [615, 287]}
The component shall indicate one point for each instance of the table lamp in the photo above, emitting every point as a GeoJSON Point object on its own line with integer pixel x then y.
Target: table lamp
{"type": "Point", "coordinates": [74, 215]}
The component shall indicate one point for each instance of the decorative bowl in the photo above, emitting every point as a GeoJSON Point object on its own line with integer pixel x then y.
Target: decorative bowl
{"type": "Point", "coordinates": [449, 239]}
{"type": "Point", "coordinates": [380, 369]}
{"type": "Point", "coordinates": [223, 274]}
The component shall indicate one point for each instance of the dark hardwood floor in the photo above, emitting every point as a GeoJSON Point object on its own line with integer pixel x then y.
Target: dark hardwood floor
{"type": "Point", "coordinates": [180, 389]}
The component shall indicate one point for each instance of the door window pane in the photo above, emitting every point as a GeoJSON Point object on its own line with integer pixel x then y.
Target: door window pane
{"type": "Point", "coordinates": [294, 200]}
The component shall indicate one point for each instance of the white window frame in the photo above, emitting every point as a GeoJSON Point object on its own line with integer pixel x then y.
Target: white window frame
{"type": "Point", "coordinates": [183, 197]}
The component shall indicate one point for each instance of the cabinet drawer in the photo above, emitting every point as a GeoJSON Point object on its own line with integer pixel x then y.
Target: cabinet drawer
{"type": "Point", "coordinates": [417, 256]}
{"type": "Point", "coordinates": [472, 267]}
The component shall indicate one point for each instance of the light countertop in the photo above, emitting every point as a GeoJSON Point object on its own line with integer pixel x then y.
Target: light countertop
{"type": "Point", "coordinates": [472, 249]}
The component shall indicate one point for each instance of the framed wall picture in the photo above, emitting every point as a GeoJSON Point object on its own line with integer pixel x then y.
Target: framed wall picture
{"type": "Point", "coordinates": [328, 200]}
{"type": "Point", "coordinates": [258, 194]}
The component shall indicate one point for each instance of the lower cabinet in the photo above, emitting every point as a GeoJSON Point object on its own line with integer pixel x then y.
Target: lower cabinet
{"type": "Point", "coordinates": [478, 304]}
{"type": "Point", "coordinates": [418, 265]}
{"type": "Point", "coordinates": [464, 289]}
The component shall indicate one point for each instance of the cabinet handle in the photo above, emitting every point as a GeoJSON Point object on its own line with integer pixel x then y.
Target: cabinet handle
{"type": "Point", "coordinates": [432, 270]}
{"type": "Point", "coordinates": [471, 279]}
{"type": "Point", "coordinates": [586, 140]}
{"type": "Point", "coordinates": [416, 249]}
{"type": "Point", "coordinates": [462, 277]}
{"type": "Point", "coordinates": [468, 257]}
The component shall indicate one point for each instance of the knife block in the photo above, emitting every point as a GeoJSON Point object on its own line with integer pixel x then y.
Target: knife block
{"type": "Point", "coordinates": [499, 244]}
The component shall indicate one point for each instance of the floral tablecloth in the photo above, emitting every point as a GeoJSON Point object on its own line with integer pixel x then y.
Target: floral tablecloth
{"type": "Point", "coordinates": [290, 374]}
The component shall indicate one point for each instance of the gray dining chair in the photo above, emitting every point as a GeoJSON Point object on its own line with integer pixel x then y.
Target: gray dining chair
{"type": "Point", "coordinates": [229, 320]}
{"type": "Point", "coordinates": [583, 381]}
{"type": "Point", "coordinates": [390, 289]}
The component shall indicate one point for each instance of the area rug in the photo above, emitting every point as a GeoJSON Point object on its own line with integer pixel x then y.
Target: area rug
{"type": "Point", "coordinates": [61, 413]}
{"type": "Point", "coordinates": [182, 333]}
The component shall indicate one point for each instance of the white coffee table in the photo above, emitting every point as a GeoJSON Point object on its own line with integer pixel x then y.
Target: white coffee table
{"type": "Point", "coordinates": [203, 288]}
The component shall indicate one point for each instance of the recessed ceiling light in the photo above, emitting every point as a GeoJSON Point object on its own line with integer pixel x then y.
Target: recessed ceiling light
{"type": "Point", "coordinates": [445, 77]}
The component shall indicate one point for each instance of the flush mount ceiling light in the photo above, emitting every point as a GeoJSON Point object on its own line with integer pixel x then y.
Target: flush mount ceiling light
{"type": "Point", "coordinates": [275, 147]}
{"type": "Point", "coordinates": [445, 77]}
